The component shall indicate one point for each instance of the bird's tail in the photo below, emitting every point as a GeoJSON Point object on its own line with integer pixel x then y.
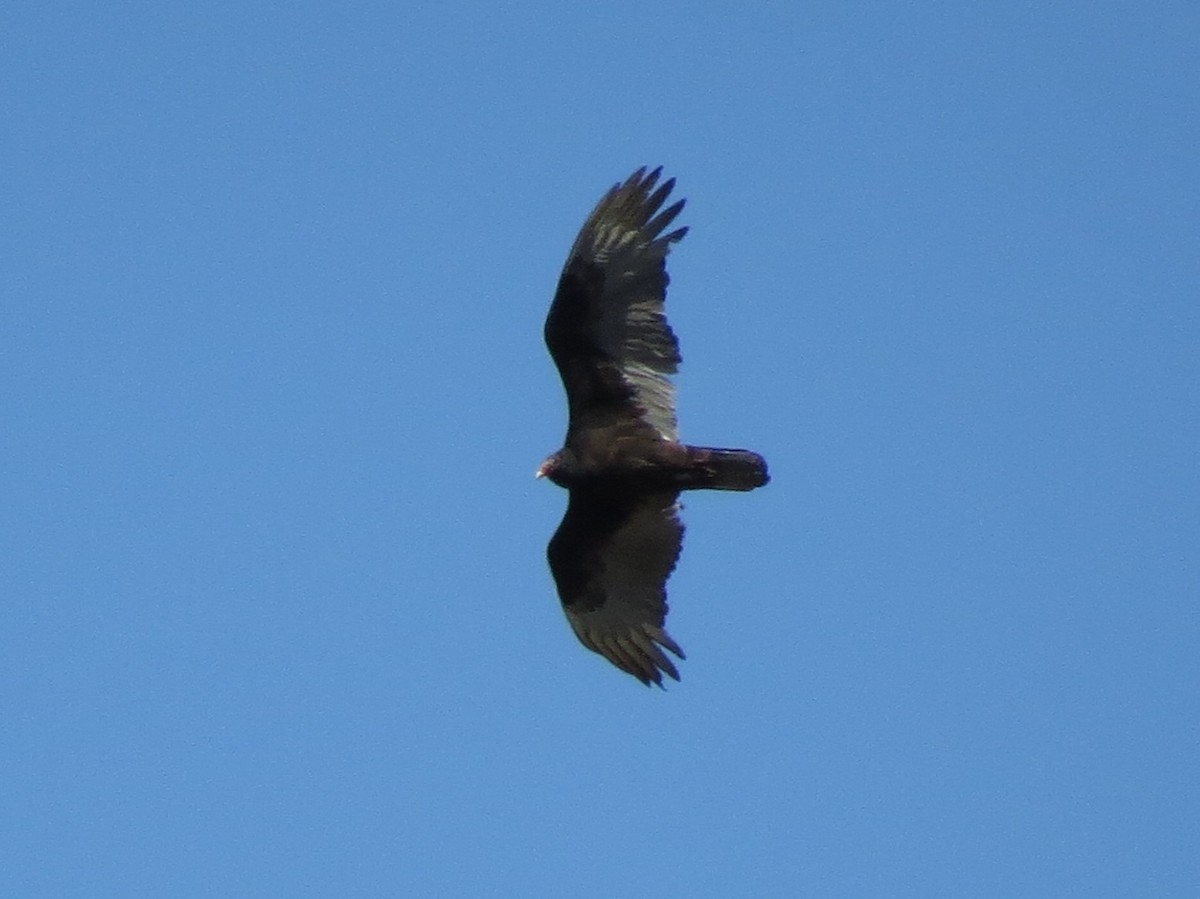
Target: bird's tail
{"type": "Point", "coordinates": [726, 469]}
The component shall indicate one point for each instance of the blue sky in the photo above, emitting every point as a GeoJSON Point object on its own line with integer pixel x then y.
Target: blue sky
{"type": "Point", "coordinates": [274, 610]}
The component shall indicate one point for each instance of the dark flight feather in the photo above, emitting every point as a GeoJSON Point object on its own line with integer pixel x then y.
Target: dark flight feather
{"type": "Point", "coordinates": [621, 460]}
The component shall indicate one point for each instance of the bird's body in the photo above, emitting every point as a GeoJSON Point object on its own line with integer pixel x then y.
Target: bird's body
{"type": "Point", "coordinates": [622, 461]}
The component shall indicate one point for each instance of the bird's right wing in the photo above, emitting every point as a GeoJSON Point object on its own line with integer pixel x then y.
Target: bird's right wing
{"type": "Point", "coordinates": [611, 558]}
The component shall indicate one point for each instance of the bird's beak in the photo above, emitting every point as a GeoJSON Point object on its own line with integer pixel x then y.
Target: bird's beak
{"type": "Point", "coordinates": [541, 472]}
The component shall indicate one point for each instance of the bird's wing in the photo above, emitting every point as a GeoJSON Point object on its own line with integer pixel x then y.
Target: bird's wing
{"type": "Point", "coordinates": [606, 330]}
{"type": "Point", "coordinates": [611, 558]}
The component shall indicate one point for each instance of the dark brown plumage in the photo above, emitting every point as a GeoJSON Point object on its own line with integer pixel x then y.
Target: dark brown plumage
{"type": "Point", "coordinates": [622, 461]}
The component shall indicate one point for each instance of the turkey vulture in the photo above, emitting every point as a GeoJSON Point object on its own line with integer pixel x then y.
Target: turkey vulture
{"type": "Point", "coordinates": [622, 461]}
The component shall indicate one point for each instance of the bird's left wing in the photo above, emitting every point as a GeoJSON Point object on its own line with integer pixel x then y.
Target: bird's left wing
{"type": "Point", "coordinates": [611, 558]}
{"type": "Point", "coordinates": [606, 329]}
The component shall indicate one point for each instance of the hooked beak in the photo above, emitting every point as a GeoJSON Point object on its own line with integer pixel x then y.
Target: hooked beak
{"type": "Point", "coordinates": [541, 472]}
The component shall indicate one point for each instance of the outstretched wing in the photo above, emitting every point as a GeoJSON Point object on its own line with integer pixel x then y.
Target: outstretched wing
{"type": "Point", "coordinates": [611, 558]}
{"type": "Point", "coordinates": [606, 330]}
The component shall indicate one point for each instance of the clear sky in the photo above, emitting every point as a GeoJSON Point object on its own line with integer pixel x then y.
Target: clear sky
{"type": "Point", "coordinates": [275, 618]}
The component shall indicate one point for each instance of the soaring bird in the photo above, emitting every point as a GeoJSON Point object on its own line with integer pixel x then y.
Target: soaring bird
{"type": "Point", "coordinates": [622, 461]}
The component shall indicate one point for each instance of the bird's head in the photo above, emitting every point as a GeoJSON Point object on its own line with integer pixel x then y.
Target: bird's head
{"type": "Point", "coordinates": [551, 466]}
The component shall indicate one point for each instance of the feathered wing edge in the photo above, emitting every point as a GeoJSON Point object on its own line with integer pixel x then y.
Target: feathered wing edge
{"type": "Point", "coordinates": [635, 650]}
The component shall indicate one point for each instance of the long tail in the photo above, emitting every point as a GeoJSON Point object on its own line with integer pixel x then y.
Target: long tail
{"type": "Point", "coordinates": [726, 469]}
